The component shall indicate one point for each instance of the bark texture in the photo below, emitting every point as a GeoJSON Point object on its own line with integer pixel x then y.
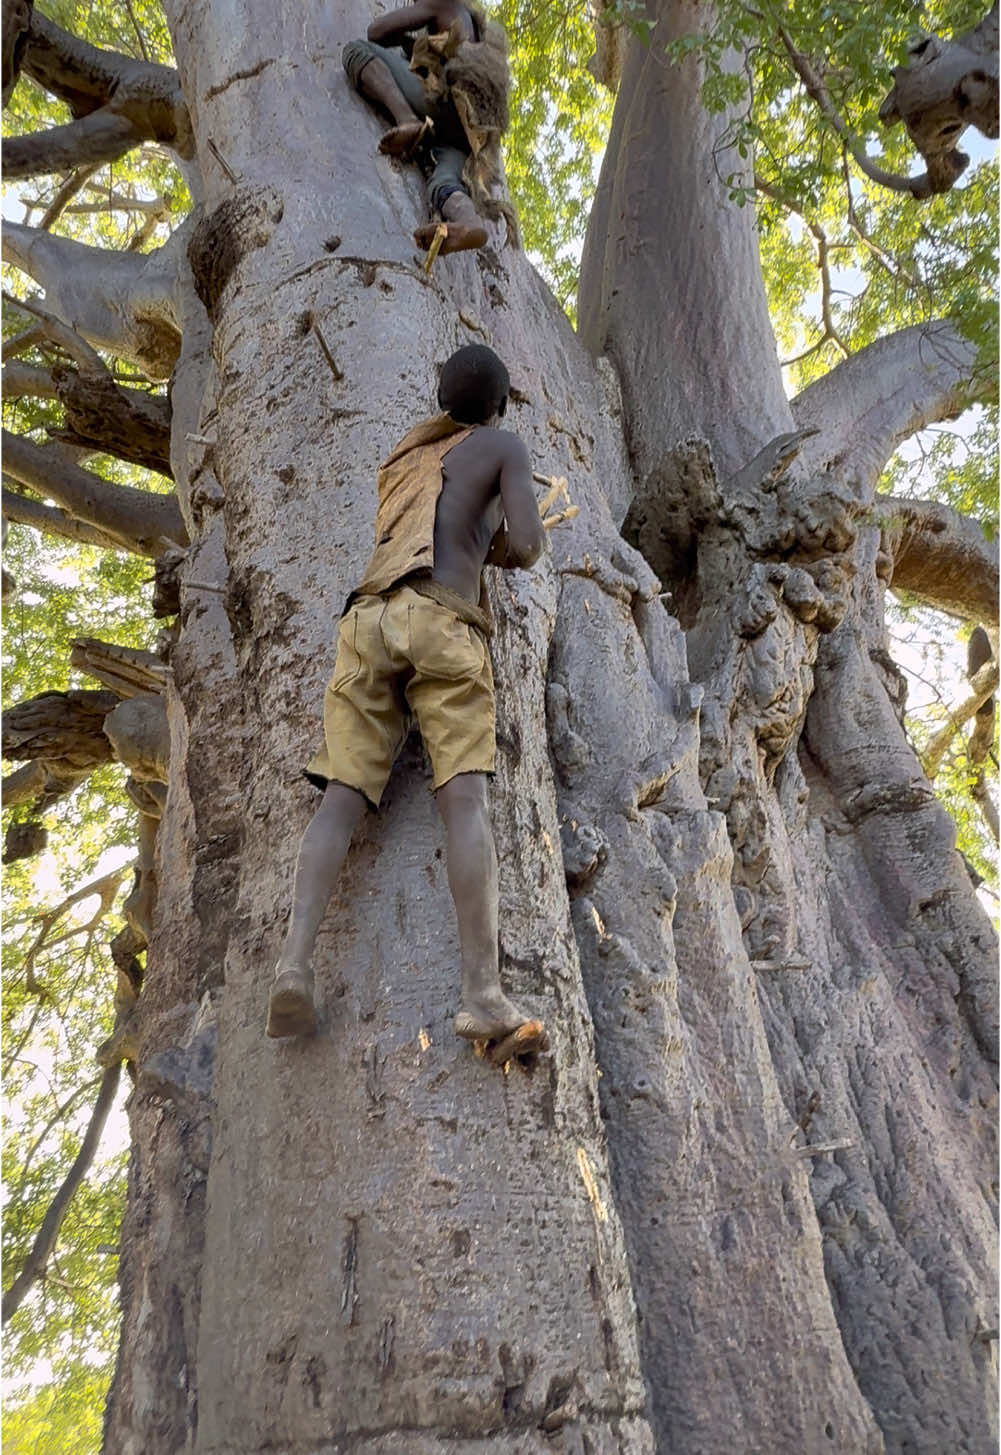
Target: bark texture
{"type": "Point", "coordinates": [745, 1204]}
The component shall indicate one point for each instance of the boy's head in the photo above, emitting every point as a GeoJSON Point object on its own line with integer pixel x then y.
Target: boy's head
{"type": "Point", "coordinates": [473, 385]}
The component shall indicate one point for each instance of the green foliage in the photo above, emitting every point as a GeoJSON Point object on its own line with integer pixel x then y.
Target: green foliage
{"type": "Point", "coordinates": [62, 1418]}
{"type": "Point", "coordinates": [559, 124]}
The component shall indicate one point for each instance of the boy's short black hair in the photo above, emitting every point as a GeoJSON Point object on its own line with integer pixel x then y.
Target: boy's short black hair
{"type": "Point", "coordinates": [473, 385]}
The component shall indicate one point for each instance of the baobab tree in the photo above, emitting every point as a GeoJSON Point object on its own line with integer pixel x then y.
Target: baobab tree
{"type": "Point", "coordinates": [746, 1201]}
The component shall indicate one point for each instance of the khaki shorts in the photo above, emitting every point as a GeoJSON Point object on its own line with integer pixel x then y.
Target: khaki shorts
{"type": "Point", "coordinates": [402, 656]}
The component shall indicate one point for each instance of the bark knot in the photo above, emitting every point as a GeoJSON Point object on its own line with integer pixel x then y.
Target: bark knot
{"type": "Point", "coordinates": [220, 242]}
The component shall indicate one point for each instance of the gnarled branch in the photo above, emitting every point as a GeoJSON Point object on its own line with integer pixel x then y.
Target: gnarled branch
{"type": "Point", "coordinates": [945, 87]}
{"type": "Point", "coordinates": [16, 25]}
{"type": "Point", "coordinates": [940, 557]}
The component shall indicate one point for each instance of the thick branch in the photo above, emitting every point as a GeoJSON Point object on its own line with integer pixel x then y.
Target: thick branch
{"type": "Point", "coordinates": [27, 379]}
{"type": "Point", "coordinates": [982, 687]}
{"type": "Point", "coordinates": [117, 102]}
{"type": "Point", "coordinates": [51, 520]}
{"type": "Point", "coordinates": [101, 415]}
{"type": "Point", "coordinates": [103, 136]}
{"type": "Point", "coordinates": [945, 87]}
{"type": "Point", "coordinates": [16, 24]}
{"type": "Point", "coordinates": [663, 225]}
{"type": "Point", "coordinates": [143, 523]}
{"type": "Point", "coordinates": [940, 557]}
{"type": "Point", "coordinates": [41, 781]}
{"type": "Point", "coordinates": [123, 302]}
{"type": "Point", "coordinates": [865, 407]}
{"type": "Point", "coordinates": [41, 1250]}
{"type": "Point", "coordinates": [60, 727]}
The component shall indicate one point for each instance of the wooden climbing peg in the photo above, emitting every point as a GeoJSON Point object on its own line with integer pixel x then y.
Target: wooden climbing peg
{"type": "Point", "coordinates": [440, 234]}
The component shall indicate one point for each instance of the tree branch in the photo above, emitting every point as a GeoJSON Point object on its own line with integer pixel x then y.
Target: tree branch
{"type": "Point", "coordinates": [919, 187]}
{"type": "Point", "coordinates": [16, 24]}
{"type": "Point", "coordinates": [101, 415]}
{"type": "Point", "coordinates": [945, 87]}
{"type": "Point", "coordinates": [120, 301]}
{"type": "Point", "coordinates": [143, 523]}
{"type": "Point", "coordinates": [60, 333]}
{"type": "Point", "coordinates": [51, 520]}
{"type": "Point", "coordinates": [117, 102]}
{"type": "Point", "coordinates": [65, 194]}
{"type": "Point", "coordinates": [982, 687]}
{"type": "Point", "coordinates": [880, 396]}
{"type": "Point", "coordinates": [20, 380]}
{"type": "Point", "coordinates": [940, 557]}
{"type": "Point", "coordinates": [44, 781]}
{"type": "Point", "coordinates": [103, 136]}
{"type": "Point", "coordinates": [35, 1263]}
{"type": "Point", "coordinates": [982, 798]}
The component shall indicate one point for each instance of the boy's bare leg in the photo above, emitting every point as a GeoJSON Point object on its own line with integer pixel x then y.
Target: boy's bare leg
{"type": "Point", "coordinates": [291, 1010]}
{"type": "Point", "coordinates": [378, 85]}
{"type": "Point", "coordinates": [486, 1012]}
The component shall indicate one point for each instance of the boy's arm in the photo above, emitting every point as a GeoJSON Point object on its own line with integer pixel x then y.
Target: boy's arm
{"type": "Point", "coordinates": [392, 28]}
{"type": "Point", "coordinates": [525, 533]}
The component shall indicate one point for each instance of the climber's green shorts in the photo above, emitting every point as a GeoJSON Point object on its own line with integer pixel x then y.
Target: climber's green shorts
{"type": "Point", "coordinates": [402, 656]}
{"type": "Point", "coordinates": [449, 148]}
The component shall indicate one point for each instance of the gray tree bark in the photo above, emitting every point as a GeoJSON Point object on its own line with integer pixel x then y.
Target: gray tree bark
{"type": "Point", "coordinates": [745, 1202]}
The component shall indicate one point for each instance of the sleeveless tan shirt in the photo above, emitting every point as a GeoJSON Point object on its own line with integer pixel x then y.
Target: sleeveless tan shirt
{"type": "Point", "coordinates": [410, 483]}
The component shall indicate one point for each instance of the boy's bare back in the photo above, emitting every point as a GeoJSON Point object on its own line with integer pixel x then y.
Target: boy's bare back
{"type": "Point", "coordinates": [486, 482]}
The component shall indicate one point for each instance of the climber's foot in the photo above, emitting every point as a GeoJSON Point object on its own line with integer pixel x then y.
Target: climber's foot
{"type": "Point", "coordinates": [402, 141]}
{"type": "Point", "coordinates": [528, 1040]}
{"type": "Point", "coordinates": [459, 236]}
{"type": "Point", "coordinates": [291, 1011]}
{"type": "Point", "coordinates": [499, 1030]}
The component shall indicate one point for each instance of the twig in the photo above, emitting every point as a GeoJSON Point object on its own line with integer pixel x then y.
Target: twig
{"type": "Point", "coordinates": [233, 176]}
{"type": "Point", "coordinates": [41, 1251]}
{"type": "Point", "coordinates": [135, 27]}
{"type": "Point", "coordinates": [69, 189]}
{"type": "Point", "coordinates": [337, 372]}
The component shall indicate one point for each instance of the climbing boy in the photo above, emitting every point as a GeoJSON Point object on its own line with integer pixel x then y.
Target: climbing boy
{"type": "Point", "coordinates": [455, 492]}
{"type": "Point", "coordinates": [450, 110]}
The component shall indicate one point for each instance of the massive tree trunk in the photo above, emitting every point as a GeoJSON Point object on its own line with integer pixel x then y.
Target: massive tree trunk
{"type": "Point", "coordinates": [745, 1201]}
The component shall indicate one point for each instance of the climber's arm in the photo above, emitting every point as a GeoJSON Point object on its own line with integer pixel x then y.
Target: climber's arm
{"type": "Point", "coordinates": [393, 27]}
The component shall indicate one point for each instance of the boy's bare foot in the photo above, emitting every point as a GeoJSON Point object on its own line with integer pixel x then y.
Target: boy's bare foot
{"type": "Point", "coordinates": [401, 141]}
{"type": "Point", "coordinates": [465, 226]}
{"type": "Point", "coordinates": [499, 1028]}
{"type": "Point", "coordinates": [291, 1011]}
